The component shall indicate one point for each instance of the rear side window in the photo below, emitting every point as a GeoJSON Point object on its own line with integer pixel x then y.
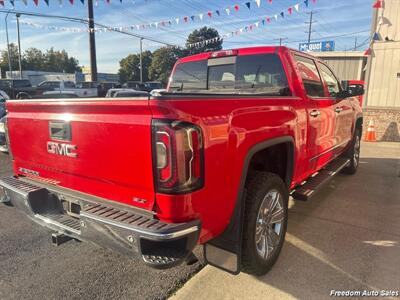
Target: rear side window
{"type": "Point", "coordinates": [190, 76]}
{"type": "Point", "coordinates": [22, 83]}
{"type": "Point", "coordinates": [310, 76]}
{"type": "Point", "coordinates": [262, 73]}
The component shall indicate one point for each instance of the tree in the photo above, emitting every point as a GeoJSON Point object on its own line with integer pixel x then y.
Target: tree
{"type": "Point", "coordinates": [129, 67]}
{"type": "Point", "coordinates": [33, 59]}
{"type": "Point", "coordinates": [163, 62]}
{"type": "Point", "coordinates": [204, 34]}
{"type": "Point", "coordinates": [4, 59]}
{"type": "Point", "coordinates": [59, 61]}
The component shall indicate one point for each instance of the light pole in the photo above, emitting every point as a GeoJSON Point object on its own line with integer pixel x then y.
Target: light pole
{"type": "Point", "coordinates": [8, 45]}
{"type": "Point", "coordinates": [141, 60]}
{"type": "Point", "coordinates": [19, 47]}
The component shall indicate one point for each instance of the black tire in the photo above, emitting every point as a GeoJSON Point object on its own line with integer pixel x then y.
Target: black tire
{"type": "Point", "coordinates": [353, 153]}
{"type": "Point", "coordinates": [258, 188]}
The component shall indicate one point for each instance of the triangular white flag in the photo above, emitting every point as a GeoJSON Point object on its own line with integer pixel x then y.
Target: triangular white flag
{"type": "Point", "coordinates": [156, 23]}
{"type": "Point", "coordinates": [276, 17]}
{"type": "Point", "coordinates": [258, 2]}
{"type": "Point", "coordinates": [296, 7]}
{"type": "Point", "coordinates": [201, 17]}
{"type": "Point", "coordinates": [257, 24]}
{"type": "Point", "coordinates": [228, 11]}
{"type": "Point", "coordinates": [177, 20]}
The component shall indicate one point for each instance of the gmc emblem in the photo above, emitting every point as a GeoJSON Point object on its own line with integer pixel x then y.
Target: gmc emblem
{"type": "Point", "coordinates": [62, 149]}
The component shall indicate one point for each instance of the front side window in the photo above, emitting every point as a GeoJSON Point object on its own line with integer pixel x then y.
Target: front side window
{"type": "Point", "coordinates": [330, 80]}
{"type": "Point", "coordinates": [310, 76]}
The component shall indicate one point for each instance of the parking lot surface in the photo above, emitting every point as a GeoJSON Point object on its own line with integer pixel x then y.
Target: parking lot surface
{"type": "Point", "coordinates": [32, 268]}
{"type": "Point", "coordinates": [345, 238]}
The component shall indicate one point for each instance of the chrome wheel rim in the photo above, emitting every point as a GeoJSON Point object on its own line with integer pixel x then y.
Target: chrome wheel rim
{"type": "Point", "coordinates": [356, 156]}
{"type": "Point", "coordinates": [269, 224]}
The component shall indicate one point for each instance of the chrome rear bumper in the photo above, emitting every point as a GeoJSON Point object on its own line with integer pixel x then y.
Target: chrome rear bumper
{"type": "Point", "coordinates": [121, 228]}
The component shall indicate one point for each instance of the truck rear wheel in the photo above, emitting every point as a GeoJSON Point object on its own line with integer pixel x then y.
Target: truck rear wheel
{"type": "Point", "coordinates": [265, 222]}
{"type": "Point", "coordinates": [354, 153]}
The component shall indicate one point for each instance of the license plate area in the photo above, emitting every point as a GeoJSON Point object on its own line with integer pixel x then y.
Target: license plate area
{"type": "Point", "coordinates": [60, 130]}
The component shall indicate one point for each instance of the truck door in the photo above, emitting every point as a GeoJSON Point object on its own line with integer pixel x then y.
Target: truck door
{"type": "Point", "coordinates": [342, 108]}
{"type": "Point", "coordinates": [321, 115]}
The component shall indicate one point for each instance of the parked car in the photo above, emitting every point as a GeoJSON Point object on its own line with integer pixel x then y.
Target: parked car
{"type": "Point", "coordinates": [357, 87]}
{"type": "Point", "coordinates": [17, 88]}
{"type": "Point", "coordinates": [59, 95]}
{"type": "Point", "coordinates": [103, 87]}
{"type": "Point", "coordinates": [129, 94]}
{"type": "Point", "coordinates": [212, 161]}
{"type": "Point", "coordinates": [136, 85]}
{"type": "Point", "coordinates": [111, 92]}
{"type": "Point", "coordinates": [3, 143]}
{"type": "Point", "coordinates": [3, 98]}
{"type": "Point", "coordinates": [152, 85]}
{"type": "Point", "coordinates": [66, 86]}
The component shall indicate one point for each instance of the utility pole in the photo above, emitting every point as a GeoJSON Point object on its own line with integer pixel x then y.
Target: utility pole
{"type": "Point", "coordinates": [141, 60]}
{"type": "Point", "coordinates": [92, 41]}
{"type": "Point", "coordinates": [280, 40]}
{"type": "Point", "coordinates": [310, 26]}
{"type": "Point", "coordinates": [19, 47]}
{"type": "Point", "coordinates": [8, 47]}
{"type": "Point", "coordinates": [355, 44]}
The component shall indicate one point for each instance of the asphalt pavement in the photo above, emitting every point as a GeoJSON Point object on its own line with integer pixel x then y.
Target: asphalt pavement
{"type": "Point", "coordinates": [346, 238]}
{"type": "Point", "coordinates": [32, 268]}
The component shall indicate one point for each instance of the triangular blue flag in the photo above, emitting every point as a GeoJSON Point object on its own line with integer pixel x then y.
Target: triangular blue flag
{"type": "Point", "coordinates": [263, 22]}
{"type": "Point", "coordinates": [83, 2]}
{"type": "Point", "coordinates": [248, 5]}
{"type": "Point", "coordinates": [12, 2]}
{"type": "Point", "coordinates": [376, 37]}
{"type": "Point", "coordinates": [192, 17]}
{"type": "Point", "coordinates": [218, 13]}
{"type": "Point", "coordinates": [46, 1]}
{"type": "Point", "coordinates": [306, 2]}
{"type": "Point", "coordinates": [282, 14]}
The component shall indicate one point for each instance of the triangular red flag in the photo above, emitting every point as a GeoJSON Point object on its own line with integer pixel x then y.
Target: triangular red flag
{"type": "Point", "coordinates": [209, 14]}
{"type": "Point", "coordinates": [236, 7]}
{"type": "Point", "coordinates": [72, 2]}
{"type": "Point", "coordinates": [290, 10]}
{"type": "Point", "coordinates": [36, 2]}
{"type": "Point", "coordinates": [2, 2]}
{"type": "Point", "coordinates": [269, 20]}
{"type": "Point", "coordinates": [270, 1]}
{"type": "Point", "coordinates": [367, 52]}
{"type": "Point", "coordinates": [378, 4]}
{"type": "Point", "coordinates": [185, 19]}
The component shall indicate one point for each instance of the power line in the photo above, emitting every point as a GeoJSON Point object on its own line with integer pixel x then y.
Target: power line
{"type": "Point", "coordinates": [84, 21]}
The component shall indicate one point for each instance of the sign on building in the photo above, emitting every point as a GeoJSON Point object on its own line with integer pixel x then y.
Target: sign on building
{"type": "Point", "coordinates": [317, 46]}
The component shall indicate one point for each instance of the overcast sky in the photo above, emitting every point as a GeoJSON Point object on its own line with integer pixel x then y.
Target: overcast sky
{"type": "Point", "coordinates": [339, 20]}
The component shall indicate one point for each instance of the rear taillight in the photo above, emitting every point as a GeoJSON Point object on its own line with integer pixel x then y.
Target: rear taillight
{"type": "Point", "coordinates": [178, 156]}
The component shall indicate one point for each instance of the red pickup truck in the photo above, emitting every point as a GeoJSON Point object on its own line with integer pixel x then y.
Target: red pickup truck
{"type": "Point", "coordinates": [212, 161]}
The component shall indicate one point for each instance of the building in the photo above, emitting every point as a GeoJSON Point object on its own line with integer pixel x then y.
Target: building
{"type": "Point", "coordinates": [382, 99]}
{"type": "Point", "coordinates": [101, 77]}
{"type": "Point", "coordinates": [36, 77]}
{"type": "Point", "coordinates": [347, 65]}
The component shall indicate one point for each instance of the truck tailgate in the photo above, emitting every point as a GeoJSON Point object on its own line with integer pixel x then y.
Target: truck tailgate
{"type": "Point", "coordinates": [95, 146]}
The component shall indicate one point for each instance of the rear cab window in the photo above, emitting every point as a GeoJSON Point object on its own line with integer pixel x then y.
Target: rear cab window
{"type": "Point", "coordinates": [260, 73]}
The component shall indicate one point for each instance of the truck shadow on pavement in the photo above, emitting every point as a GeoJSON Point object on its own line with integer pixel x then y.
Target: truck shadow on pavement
{"type": "Point", "coordinates": [345, 238]}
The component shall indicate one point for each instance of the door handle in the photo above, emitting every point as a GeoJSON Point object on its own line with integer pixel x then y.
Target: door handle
{"type": "Point", "coordinates": [315, 113]}
{"type": "Point", "coordinates": [338, 109]}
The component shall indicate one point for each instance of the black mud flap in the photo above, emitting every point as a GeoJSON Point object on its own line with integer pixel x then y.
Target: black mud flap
{"type": "Point", "coordinates": [225, 251]}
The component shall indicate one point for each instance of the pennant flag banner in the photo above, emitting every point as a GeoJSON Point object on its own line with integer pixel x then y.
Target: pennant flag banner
{"type": "Point", "coordinates": [250, 27]}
